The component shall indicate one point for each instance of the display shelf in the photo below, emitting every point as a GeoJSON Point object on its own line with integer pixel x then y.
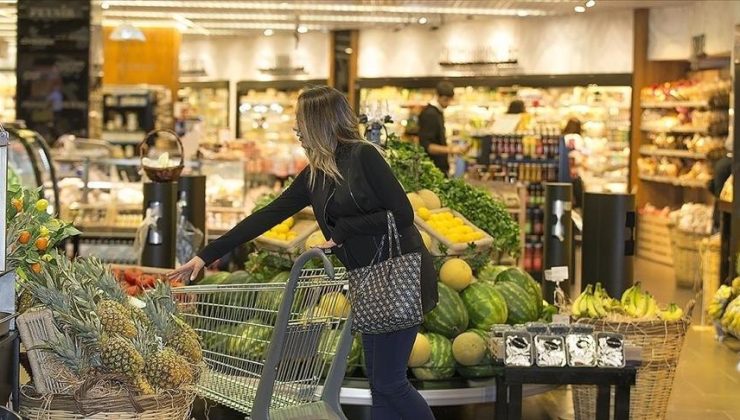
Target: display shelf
{"type": "Point", "coordinates": [676, 130]}
{"type": "Point", "coordinates": [675, 104]}
{"type": "Point", "coordinates": [674, 181]}
{"type": "Point", "coordinates": [687, 154]}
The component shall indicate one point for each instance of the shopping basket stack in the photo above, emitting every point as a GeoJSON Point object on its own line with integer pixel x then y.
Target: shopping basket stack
{"type": "Point", "coordinates": [686, 258]}
{"type": "Point", "coordinates": [267, 345]}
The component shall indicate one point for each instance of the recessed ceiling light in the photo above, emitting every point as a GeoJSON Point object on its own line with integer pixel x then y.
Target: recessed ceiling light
{"type": "Point", "coordinates": [105, 5]}
{"type": "Point", "coordinates": [591, 3]}
{"type": "Point", "coordinates": [423, 20]}
{"type": "Point", "coordinates": [580, 9]}
{"type": "Point", "coordinates": [348, 50]}
{"type": "Point", "coordinates": [302, 29]}
{"type": "Point", "coordinates": [268, 32]}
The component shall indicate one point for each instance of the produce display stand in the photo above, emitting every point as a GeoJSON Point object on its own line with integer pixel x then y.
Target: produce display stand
{"type": "Point", "coordinates": [509, 386]}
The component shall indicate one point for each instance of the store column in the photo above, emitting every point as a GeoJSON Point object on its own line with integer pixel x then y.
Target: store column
{"type": "Point", "coordinates": [343, 63]}
{"type": "Point", "coordinates": [52, 70]}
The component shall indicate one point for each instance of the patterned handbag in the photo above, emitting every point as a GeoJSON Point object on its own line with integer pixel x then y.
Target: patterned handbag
{"type": "Point", "coordinates": [386, 295]}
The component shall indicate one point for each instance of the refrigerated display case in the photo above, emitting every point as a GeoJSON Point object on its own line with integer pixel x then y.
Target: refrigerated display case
{"type": "Point", "coordinates": [30, 158]}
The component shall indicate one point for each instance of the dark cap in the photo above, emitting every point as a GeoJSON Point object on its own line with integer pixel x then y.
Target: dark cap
{"type": "Point", "coordinates": [445, 89]}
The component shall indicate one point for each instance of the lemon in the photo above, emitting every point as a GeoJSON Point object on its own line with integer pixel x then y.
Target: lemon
{"type": "Point", "coordinates": [454, 238]}
{"type": "Point", "coordinates": [281, 229]}
{"type": "Point", "coordinates": [456, 222]}
{"type": "Point", "coordinates": [424, 213]}
{"type": "Point", "coordinates": [289, 222]}
{"type": "Point", "coordinates": [291, 235]}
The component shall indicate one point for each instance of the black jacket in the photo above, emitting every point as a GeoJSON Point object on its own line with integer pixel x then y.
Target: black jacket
{"type": "Point", "coordinates": [432, 131]}
{"type": "Point", "coordinates": [352, 213]}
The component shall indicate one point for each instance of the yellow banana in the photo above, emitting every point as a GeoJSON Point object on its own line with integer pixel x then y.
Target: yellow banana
{"type": "Point", "coordinates": [652, 308]}
{"type": "Point", "coordinates": [575, 307]}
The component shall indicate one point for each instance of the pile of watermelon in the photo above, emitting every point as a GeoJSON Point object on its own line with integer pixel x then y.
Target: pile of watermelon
{"type": "Point", "coordinates": [455, 332]}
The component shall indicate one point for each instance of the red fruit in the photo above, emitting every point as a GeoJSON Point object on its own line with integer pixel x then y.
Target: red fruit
{"type": "Point", "coordinates": [147, 281]}
{"type": "Point", "coordinates": [132, 290]}
{"type": "Point", "coordinates": [132, 276]}
{"type": "Point", "coordinates": [36, 267]}
{"type": "Point", "coordinates": [17, 204]}
{"type": "Point", "coordinates": [24, 237]}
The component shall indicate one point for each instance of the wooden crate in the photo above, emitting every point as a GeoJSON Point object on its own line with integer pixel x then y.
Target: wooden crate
{"type": "Point", "coordinates": [305, 224]}
{"type": "Point", "coordinates": [654, 239]}
{"type": "Point", "coordinates": [452, 248]}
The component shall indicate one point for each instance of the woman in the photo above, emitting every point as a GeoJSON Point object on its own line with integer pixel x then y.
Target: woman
{"type": "Point", "coordinates": [569, 148]}
{"type": "Point", "coordinates": [351, 188]}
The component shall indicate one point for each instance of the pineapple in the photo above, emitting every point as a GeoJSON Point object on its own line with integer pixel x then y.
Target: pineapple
{"type": "Point", "coordinates": [118, 355]}
{"type": "Point", "coordinates": [166, 369]}
{"type": "Point", "coordinates": [143, 385]}
{"type": "Point", "coordinates": [115, 318]}
{"type": "Point", "coordinates": [177, 334]}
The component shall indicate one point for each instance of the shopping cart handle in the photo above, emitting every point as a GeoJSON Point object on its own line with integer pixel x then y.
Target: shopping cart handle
{"type": "Point", "coordinates": [315, 253]}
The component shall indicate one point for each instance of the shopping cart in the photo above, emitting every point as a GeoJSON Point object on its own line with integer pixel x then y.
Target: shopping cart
{"type": "Point", "coordinates": [267, 346]}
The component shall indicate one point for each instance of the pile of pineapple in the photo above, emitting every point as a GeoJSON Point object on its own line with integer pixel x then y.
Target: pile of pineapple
{"type": "Point", "coordinates": [104, 331]}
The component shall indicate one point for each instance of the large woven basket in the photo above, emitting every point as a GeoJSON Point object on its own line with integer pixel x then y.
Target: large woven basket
{"type": "Point", "coordinates": [173, 405]}
{"type": "Point", "coordinates": [709, 249]}
{"type": "Point", "coordinates": [686, 258]}
{"type": "Point", "coordinates": [661, 343]}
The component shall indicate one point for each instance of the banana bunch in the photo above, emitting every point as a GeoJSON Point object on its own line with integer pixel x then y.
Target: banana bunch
{"type": "Point", "coordinates": [588, 305]}
{"type": "Point", "coordinates": [672, 313]}
{"type": "Point", "coordinates": [639, 304]}
{"type": "Point", "coordinates": [719, 302]}
{"type": "Point", "coordinates": [731, 318]}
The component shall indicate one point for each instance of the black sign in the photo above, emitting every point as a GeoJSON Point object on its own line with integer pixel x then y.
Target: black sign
{"type": "Point", "coordinates": [53, 66]}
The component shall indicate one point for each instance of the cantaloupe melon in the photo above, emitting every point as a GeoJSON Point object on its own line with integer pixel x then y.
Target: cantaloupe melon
{"type": "Point", "coordinates": [427, 240]}
{"type": "Point", "coordinates": [416, 201]}
{"type": "Point", "coordinates": [431, 201]}
{"type": "Point", "coordinates": [469, 348]}
{"type": "Point", "coordinates": [421, 352]}
{"type": "Point", "coordinates": [314, 240]}
{"type": "Point", "coordinates": [334, 304]}
{"type": "Point", "coordinates": [456, 273]}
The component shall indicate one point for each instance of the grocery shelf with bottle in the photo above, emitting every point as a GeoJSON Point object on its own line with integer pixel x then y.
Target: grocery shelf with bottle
{"type": "Point", "coordinates": [129, 112]}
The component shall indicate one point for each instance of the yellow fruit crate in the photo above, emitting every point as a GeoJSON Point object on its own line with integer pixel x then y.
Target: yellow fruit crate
{"type": "Point", "coordinates": [454, 247]}
{"type": "Point", "coordinates": [303, 226]}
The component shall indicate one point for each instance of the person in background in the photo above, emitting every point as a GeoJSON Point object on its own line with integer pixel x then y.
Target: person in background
{"type": "Point", "coordinates": [351, 188]}
{"type": "Point", "coordinates": [571, 140]}
{"type": "Point", "coordinates": [722, 171]}
{"type": "Point", "coordinates": [432, 135]}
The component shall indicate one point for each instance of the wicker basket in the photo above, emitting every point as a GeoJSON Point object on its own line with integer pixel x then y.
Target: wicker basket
{"type": "Point", "coordinates": [169, 174]}
{"type": "Point", "coordinates": [661, 343]}
{"type": "Point", "coordinates": [121, 406]}
{"type": "Point", "coordinates": [686, 258]}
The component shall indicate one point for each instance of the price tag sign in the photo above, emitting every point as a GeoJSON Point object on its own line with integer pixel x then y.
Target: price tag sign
{"type": "Point", "coordinates": [557, 274]}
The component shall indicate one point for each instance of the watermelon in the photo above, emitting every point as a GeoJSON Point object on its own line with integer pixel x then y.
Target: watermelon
{"type": "Point", "coordinates": [520, 306]}
{"type": "Point", "coordinates": [216, 278]}
{"type": "Point", "coordinates": [485, 368]}
{"type": "Point", "coordinates": [526, 282]}
{"type": "Point", "coordinates": [442, 363]}
{"type": "Point", "coordinates": [450, 317]}
{"type": "Point", "coordinates": [250, 340]}
{"type": "Point", "coordinates": [328, 347]}
{"type": "Point", "coordinates": [272, 298]}
{"type": "Point", "coordinates": [238, 277]}
{"type": "Point", "coordinates": [491, 271]}
{"type": "Point", "coordinates": [485, 305]}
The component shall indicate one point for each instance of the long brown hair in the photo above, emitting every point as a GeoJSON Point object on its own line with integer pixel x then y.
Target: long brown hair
{"type": "Point", "coordinates": [325, 120]}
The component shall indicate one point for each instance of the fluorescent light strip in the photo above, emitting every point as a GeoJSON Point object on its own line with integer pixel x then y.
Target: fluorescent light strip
{"type": "Point", "coordinates": [146, 14]}
{"type": "Point", "coordinates": [211, 25]}
{"type": "Point", "coordinates": [328, 7]}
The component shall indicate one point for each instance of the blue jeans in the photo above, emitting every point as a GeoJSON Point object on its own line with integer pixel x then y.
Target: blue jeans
{"type": "Point", "coordinates": [386, 359]}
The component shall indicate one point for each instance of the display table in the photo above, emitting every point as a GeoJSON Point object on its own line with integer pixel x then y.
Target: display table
{"type": "Point", "coordinates": [512, 380]}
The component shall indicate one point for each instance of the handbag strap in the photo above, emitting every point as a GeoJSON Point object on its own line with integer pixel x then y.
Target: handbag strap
{"type": "Point", "coordinates": [393, 236]}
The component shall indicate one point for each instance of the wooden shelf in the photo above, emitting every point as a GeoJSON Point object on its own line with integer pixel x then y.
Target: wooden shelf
{"type": "Point", "coordinates": [652, 151]}
{"type": "Point", "coordinates": [725, 206]}
{"type": "Point", "coordinates": [677, 130]}
{"type": "Point", "coordinates": [675, 104]}
{"type": "Point", "coordinates": [674, 181]}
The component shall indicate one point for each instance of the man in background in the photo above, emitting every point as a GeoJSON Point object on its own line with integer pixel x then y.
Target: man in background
{"type": "Point", "coordinates": [432, 136]}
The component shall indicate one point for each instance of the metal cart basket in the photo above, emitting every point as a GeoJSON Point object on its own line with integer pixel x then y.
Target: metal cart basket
{"type": "Point", "coordinates": [268, 345]}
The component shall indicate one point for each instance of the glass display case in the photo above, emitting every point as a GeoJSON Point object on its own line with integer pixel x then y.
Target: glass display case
{"type": "Point", "coordinates": [29, 156]}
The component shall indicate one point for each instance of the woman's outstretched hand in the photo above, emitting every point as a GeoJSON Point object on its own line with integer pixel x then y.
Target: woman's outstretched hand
{"type": "Point", "coordinates": [328, 244]}
{"type": "Point", "coordinates": [188, 271]}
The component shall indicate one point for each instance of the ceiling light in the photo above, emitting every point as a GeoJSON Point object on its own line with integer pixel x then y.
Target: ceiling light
{"type": "Point", "coordinates": [127, 32]}
{"type": "Point", "coordinates": [348, 50]}
{"type": "Point", "coordinates": [105, 5]}
{"type": "Point", "coordinates": [522, 13]}
{"type": "Point", "coordinates": [580, 9]}
{"type": "Point", "coordinates": [591, 3]}
{"type": "Point", "coordinates": [268, 32]}
{"type": "Point", "coordinates": [423, 20]}
{"type": "Point", "coordinates": [302, 29]}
